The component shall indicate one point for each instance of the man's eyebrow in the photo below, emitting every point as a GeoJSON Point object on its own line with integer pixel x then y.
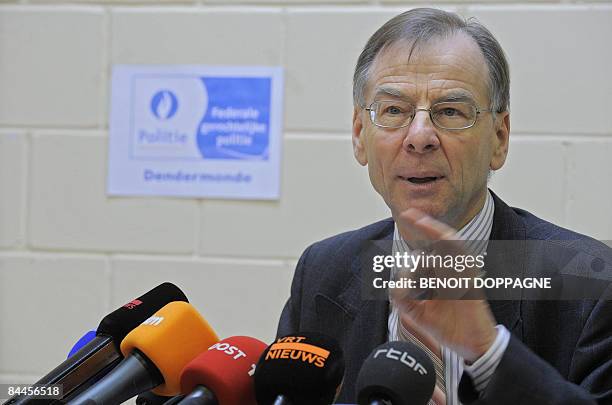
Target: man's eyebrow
{"type": "Point", "coordinates": [453, 95]}
{"type": "Point", "coordinates": [389, 91]}
{"type": "Point", "coordinates": [456, 95]}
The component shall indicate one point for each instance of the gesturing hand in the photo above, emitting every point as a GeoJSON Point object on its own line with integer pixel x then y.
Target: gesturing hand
{"type": "Point", "coordinates": [466, 326]}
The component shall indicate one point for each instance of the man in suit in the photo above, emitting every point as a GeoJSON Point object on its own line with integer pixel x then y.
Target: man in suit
{"type": "Point", "coordinates": [431, 120]}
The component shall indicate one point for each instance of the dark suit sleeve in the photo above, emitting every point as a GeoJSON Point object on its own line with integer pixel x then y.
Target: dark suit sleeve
{"type": "Point", "coordinates": [289, 322]}
{"type": "Point", "coordinates": [522, 377]}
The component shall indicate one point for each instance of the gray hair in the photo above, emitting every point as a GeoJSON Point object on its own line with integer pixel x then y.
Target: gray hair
{"type": "Point", "coordinates": [419, 26]}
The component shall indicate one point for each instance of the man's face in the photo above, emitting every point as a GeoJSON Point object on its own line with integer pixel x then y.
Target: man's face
{"type": "Point", "coordinates": [401, 162]}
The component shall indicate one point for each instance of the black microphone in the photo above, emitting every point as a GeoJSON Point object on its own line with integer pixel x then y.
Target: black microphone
{"type": "Point", "coordinates": [149, 398]}
{"type": "Point", "coordinates": [199, 396]}
{"type": "Point", "coordinates": [102, 354]}
{"type": "Point", "coordinates": [397, 373]}
{"type": "Point", "coordinates": [301, 369]}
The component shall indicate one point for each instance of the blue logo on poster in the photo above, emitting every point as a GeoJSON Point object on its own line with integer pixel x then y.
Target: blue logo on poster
{"type": "Point", "coordinates": [236, 124]}
{"type": "Point", "coordinates": [164, 104]}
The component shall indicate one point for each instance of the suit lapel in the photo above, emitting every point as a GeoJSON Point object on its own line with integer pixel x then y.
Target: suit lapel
{"type": "Point", "coordinates": [507, 226]}
{"type": "Point", "coordinates": [367, 331]}
{"type": "Point", "coordinates": [368, 328]}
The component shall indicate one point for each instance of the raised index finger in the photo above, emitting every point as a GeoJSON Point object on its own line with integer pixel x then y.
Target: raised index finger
{"type": "Point", "coordinates": [414, 225]}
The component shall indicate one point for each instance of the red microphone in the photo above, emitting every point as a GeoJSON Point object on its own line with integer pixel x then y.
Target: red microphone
{"type": "Point", "coordinates": [223, 374]}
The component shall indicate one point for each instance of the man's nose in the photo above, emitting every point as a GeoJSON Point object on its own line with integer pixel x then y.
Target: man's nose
{"type": "Point", "coordinates": [421, 136]}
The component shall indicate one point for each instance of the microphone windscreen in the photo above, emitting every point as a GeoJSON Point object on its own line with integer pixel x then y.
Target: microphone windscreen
{"type": "Point", "coordinates": [120, 322]}
{"type": "Point", "coordinates": [226, 369]}
{"type": "Point", "coordinates": [86, 338]}
{"type": "Point", "coordinates": [399, 372]}
{"type": "Point", "coordinates": [170, 339]}
{"type": "Point", "coordinates": [306, 368]}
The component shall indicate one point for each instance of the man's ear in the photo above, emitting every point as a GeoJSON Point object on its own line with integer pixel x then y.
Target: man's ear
{"type": "Point", "coordinates": [502, 139]}
{"type": "Point", "coordinates": [358, 138]}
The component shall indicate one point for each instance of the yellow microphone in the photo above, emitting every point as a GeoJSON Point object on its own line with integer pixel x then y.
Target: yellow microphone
{"type": "Point", "coordinates": [155, 354]}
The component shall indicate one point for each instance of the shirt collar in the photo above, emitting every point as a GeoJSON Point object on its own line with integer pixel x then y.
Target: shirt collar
{"type": "Point", "coordinates": [475, 233]}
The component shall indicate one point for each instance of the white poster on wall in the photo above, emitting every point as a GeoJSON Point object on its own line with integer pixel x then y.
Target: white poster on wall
{"type": "Point", "coordinates": [196, 131]}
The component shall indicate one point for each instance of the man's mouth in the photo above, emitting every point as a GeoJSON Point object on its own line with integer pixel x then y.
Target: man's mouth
{"type": "Point", "coordinates": [421, 180]}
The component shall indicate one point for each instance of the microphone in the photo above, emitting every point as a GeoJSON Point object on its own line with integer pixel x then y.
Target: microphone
{"type": "Point", "coordinates": [155, 353]}
{"type": "Point", "coordinates": [96, 358]}
{"type": "Point", "coordinates": [223, 374]}
{"type": "Point", "coordinates": [301, 369]}
{"type": "Point", "coordinates": [226, 369]}
{"type": "Point", "coordinates": [149, 398]}
{"type": "Point", "coordinates": [86, 338]}
{"type": "Point", "coordinates": [399, 373]}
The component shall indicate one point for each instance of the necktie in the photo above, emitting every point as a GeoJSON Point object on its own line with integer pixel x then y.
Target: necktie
{"type": "Point", "coordinates": [404, 334]}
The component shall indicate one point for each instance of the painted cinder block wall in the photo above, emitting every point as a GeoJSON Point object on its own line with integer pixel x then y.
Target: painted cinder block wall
{"type": "Point", "coordinates": [69, 254]}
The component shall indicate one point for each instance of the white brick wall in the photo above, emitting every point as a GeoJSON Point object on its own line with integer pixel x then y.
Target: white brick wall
{"type": "Point", "coordinates": [196, 36]}
{"type": "Point", "coordinates": [227, 292]}
{"type": "Point", "coordinates": [69, 209]}
{"type": "Point", "coordinates": [13, 181]}
{"type": "Point", "coordinates": [560, 60]}
{"type": "Point", "coordinates": [51, 65]}
{"type": "Point", "coordinates": [48, 302]}
{"type": "Point", "coordinates": [69, 254]}
{"type": "Point", "coordinates": [320, 70]}
{"type": "Point", "coordinates": [589, 172]}
{"type": "Point", "coordinates": [534, 162]}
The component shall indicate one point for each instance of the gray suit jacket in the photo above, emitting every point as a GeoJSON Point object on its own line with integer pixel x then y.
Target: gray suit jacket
{"type": "Point", "coordinates": [560, 352]}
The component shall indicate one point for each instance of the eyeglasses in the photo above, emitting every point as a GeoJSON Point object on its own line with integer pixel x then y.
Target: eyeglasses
{"type": "Point", "coordinates": [452, 115]}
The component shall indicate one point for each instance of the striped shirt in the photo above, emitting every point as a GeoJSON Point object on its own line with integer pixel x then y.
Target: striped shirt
{"type": "Point", "coordinates": [451, 366]}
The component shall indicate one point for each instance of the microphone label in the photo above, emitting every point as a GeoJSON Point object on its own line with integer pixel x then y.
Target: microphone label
{"type": "Point", "coordinates": [132, 304]}
{"type": "Point", "coordinates": [291, 348]}
{"type": "Point", "coordinates": [154, 320]}
{"type": "Point", "coordinates": [402, 357]}
{"type": "Point", "coordinates": [251, 372]}
{"type": "Point", "coordinates": [228, 349]}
